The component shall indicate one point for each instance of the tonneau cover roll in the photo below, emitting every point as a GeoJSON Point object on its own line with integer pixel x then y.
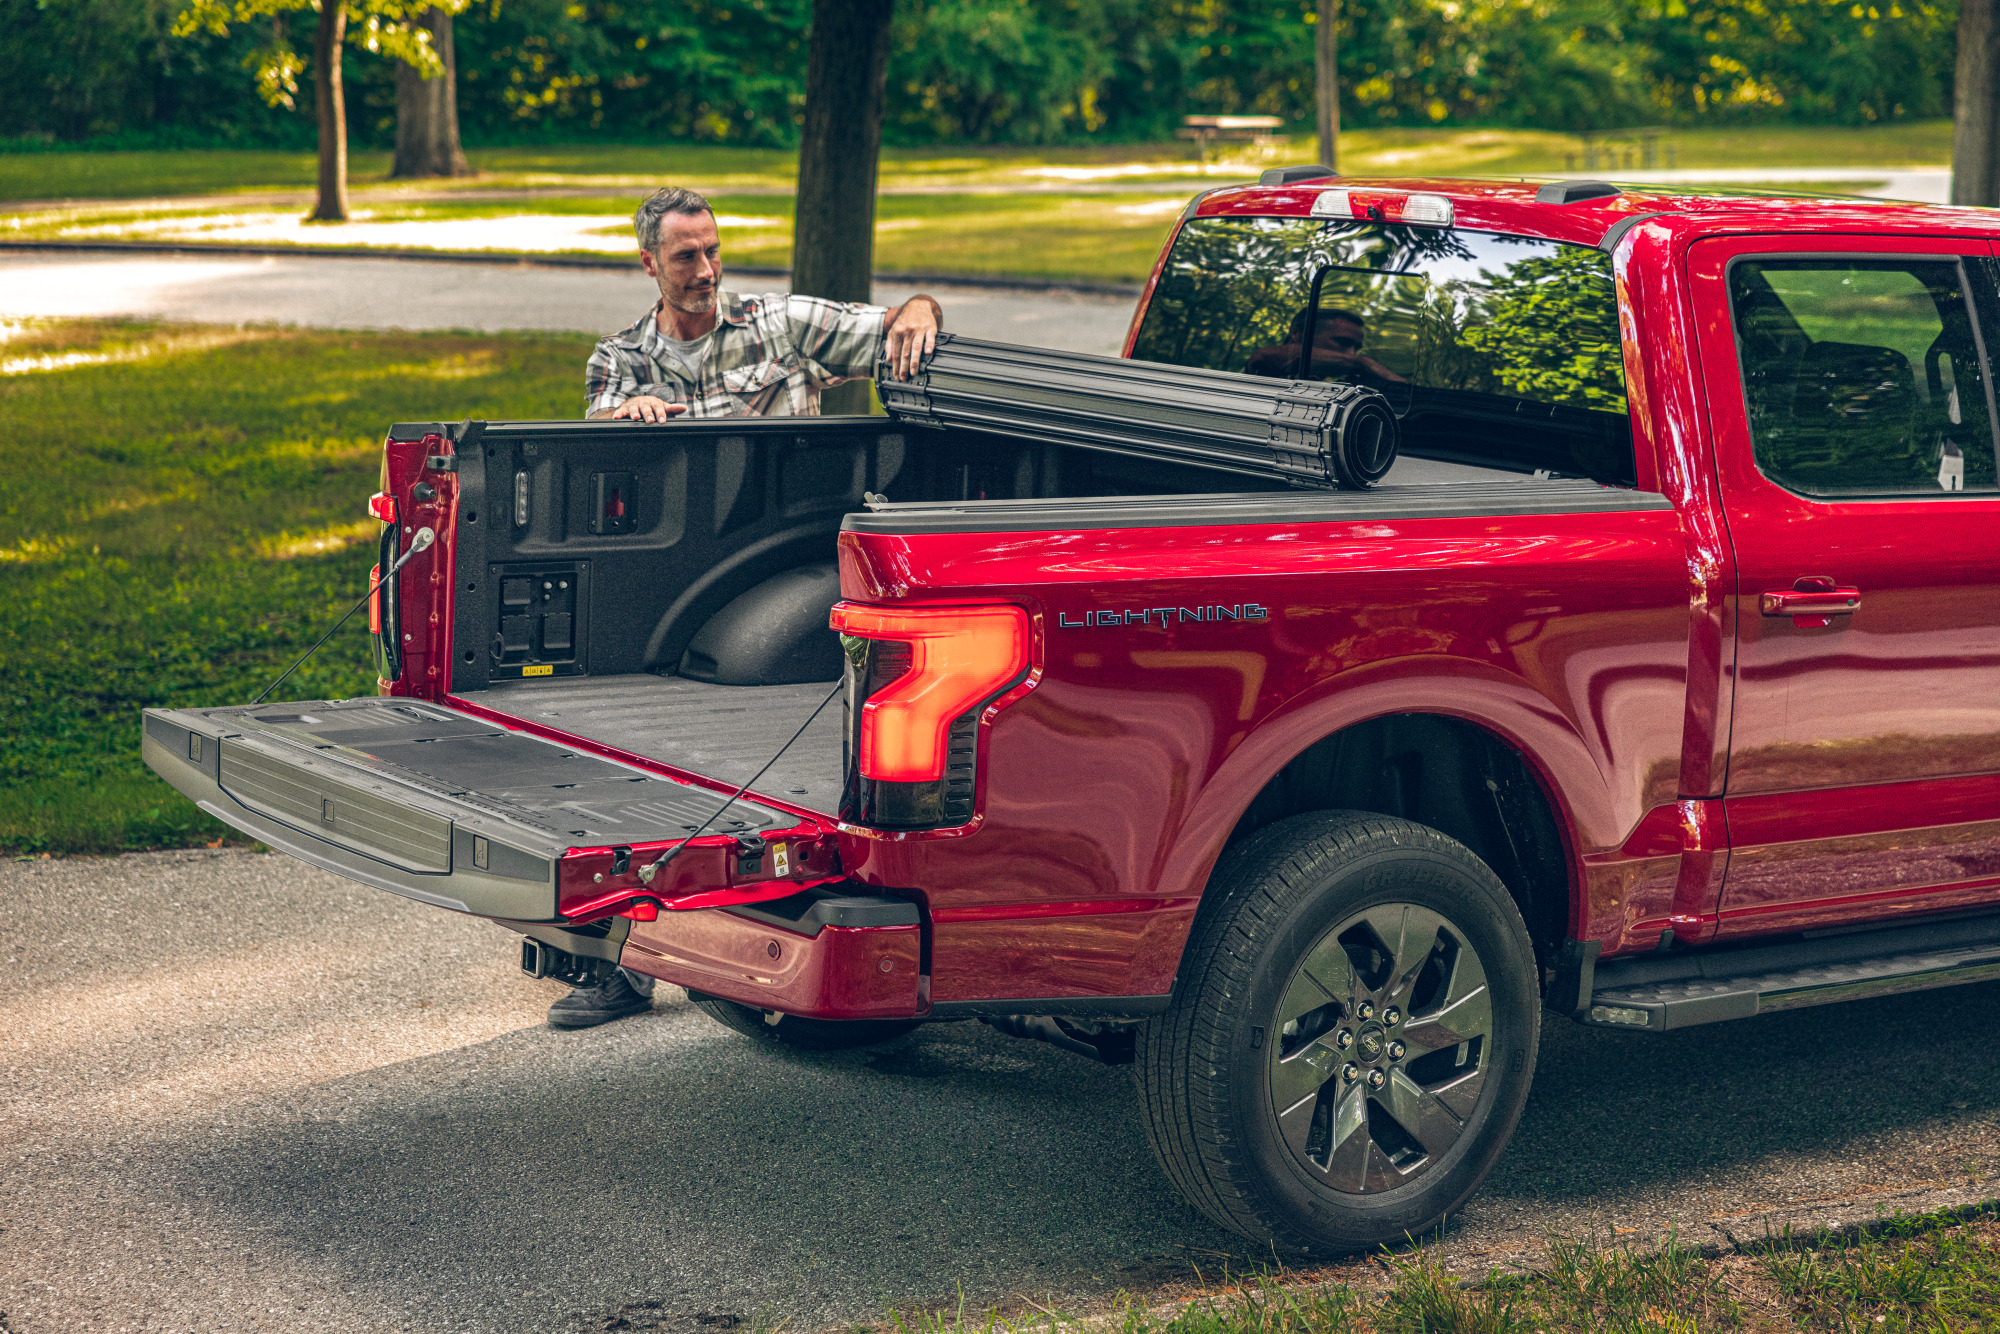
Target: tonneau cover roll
{"type": "Point", "coordinates": [1309, 434]}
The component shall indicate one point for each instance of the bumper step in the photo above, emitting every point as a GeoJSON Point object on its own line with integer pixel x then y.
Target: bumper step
{"type": "Point", "coordinates": [1657, 994]}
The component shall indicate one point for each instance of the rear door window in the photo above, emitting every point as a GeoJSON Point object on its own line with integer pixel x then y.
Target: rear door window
{"type": "Point", "coordinates": [1496, 350]}
{"type": "Point", "coordinates": [1865, 376]}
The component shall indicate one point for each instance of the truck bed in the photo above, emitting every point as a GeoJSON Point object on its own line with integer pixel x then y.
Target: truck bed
{"type": "Point", "coordinates": [585, 558]}
{"type": "Point", "coordinates": [721, 732]}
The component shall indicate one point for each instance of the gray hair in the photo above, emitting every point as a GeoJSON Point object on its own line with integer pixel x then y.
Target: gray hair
{"type": "Point", "coordinates": [673, 199]}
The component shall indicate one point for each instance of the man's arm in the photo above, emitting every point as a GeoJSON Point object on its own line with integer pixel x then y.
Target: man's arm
{"type": "Point", "coordinates": [846, 340]}
{"type": "Point", "coordinates": [613, 393]}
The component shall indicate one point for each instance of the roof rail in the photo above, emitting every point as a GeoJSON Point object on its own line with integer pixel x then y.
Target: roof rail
{"type": "Point", "coordinates": [1575, 192]}
{"type": "Point", "coordinates": [1293, 175]}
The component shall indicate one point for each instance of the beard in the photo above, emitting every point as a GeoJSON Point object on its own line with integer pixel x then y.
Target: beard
{"type": "Point", "coordinates": [692, 301]}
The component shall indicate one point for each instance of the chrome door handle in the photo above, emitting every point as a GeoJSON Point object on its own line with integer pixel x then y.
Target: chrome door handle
{"type": "Point", "coordinates": [1811, 602]}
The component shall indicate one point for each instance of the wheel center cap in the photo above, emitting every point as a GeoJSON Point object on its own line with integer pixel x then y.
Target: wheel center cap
{"type": "Point", "coordinates": [1368, 1045]}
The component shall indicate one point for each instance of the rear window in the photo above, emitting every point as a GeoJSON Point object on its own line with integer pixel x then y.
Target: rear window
{"type": "Point", "coordinates": [1500, 351]}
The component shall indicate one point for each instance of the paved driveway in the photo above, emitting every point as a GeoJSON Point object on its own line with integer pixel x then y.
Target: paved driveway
{"type": "Point", "coordinates": [343, 293]}
{"type": "Point", "coordinates": [241, 1094]}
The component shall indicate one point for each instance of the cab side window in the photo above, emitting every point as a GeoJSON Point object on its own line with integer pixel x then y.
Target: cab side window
{"type": "Point", "coordinates": [1864, 377]}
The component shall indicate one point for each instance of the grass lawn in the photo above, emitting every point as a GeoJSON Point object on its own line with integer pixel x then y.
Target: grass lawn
{"type": "Point", "coordinates": [1931, 1275]}
{"type": "Point", "coordinates": [1100, 237]}
{"type": "Point", "coordinates": [183, 517]}
{"type": "Point", "coordinates": [32, 176]}
{"type": "Point", "coordinates": [1083, 214]}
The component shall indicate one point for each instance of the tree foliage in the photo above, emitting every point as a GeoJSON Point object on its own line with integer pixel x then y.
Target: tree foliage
{"type": "Point", "coordinates": [1043, 71]}
{"type": "Point", "coordinates": [1548, 326]}
{"type": "Point", "coordinates": [382, 27]}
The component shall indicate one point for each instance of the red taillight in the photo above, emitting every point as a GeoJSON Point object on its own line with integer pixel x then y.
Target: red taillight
{"type": "Point", "coordinates": [958, 657]}
{"type": "Point", "coordinates": [382, 507]}
{"type": "Point", "coordinates": [375, 600]}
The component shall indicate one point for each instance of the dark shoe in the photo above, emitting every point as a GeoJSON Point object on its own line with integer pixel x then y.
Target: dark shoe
{"type": "Point", "coordinates": [587, 1007]}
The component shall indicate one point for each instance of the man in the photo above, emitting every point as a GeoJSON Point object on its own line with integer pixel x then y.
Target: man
{"type": "Point", "coordinates": [708, 352]}
{"type": "Point", "coordinates": [711, 353]}
{"type": "Point", "coordinates": [1337, 339]}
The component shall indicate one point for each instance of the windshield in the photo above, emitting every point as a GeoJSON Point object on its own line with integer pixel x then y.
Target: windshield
{"type": "Point", "coordinates": [1496, 350]}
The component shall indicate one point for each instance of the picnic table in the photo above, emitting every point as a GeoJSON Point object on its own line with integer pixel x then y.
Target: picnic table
{"type": "Point", "coordinates": [1205, 130]}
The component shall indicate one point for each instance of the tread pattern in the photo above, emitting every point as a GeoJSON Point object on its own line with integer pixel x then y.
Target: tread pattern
{"type": "Point", "coordinates": [1183, 1057]}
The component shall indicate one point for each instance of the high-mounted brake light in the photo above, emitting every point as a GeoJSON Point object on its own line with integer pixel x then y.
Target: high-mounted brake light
{"type": "Point", "coordinates": [958, 657]}
{"type": "Point", "coordinates": [1333, 204]}
{"type": "Point", "coordinates": [1427, 210]}
{"type": "Point", "coordinates": [1416, 210]}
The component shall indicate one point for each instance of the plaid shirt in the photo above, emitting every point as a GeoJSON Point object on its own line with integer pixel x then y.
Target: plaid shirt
{"type": "Point", "coordinates": [768, 356]}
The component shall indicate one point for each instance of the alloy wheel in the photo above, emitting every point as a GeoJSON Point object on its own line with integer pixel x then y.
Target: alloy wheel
{"type": "Point", "coordinates": [1383, 1036]}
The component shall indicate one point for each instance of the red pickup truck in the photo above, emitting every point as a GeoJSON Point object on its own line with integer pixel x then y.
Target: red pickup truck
{"type": "Point", "coordinates": [1657, 683]}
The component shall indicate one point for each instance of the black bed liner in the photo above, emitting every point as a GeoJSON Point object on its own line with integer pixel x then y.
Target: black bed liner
{"type": "Point", "coordinates": [721, 732]}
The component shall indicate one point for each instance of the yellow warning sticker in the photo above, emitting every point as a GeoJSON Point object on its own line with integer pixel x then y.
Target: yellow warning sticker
{"type": "Point", "coordinates": [546, 669]}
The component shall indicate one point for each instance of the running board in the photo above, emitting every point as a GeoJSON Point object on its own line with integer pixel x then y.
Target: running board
{"type": "Point", "coordinates": [1657, 994]}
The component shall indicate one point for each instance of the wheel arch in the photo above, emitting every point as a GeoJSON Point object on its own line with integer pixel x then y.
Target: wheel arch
{"type": "Point", "coordinates": [1382, 739]}
{"type": "Point", "coordinates": [791, 548]}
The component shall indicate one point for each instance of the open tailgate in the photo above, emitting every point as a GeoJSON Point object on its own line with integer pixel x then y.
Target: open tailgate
{"type": "Point", "coordinates": [441, 805]}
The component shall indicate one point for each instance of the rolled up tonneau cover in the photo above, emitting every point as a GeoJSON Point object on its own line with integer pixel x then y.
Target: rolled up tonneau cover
{"type": "Point", "coordinates": [1309, 434]}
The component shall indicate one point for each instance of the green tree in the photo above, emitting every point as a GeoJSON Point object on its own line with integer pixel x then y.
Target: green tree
{"type": "Point", "coordinates": [427, 138]}
{"type": "Point", "coordinates": [388, 27]}
{"type": "Point", "coordinates": [1000, 71]}
{"type": "Point", "coordinates": [727, 71]}
{"type": "Point", "coordinates": [1825, 61]}
{"type": "Point", "coordinates": [833, 250]}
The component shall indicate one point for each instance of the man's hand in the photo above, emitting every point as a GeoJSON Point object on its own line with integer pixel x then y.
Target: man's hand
{"type": "Point", "coordinates": [645, 408]}
{"type": "Point", "coordinates": [913, 331]}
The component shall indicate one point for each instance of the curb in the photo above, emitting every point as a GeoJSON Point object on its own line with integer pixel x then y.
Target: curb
{"type": "Point", "coordinates": [1757, 1233]}
{"type": "Point", "coordinates": [519, 260]}
{"type": "Point", "coordinates": [1783, 1227]}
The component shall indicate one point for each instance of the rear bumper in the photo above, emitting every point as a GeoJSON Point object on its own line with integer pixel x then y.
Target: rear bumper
{"type": "Point", "coordinates": [860, 958]}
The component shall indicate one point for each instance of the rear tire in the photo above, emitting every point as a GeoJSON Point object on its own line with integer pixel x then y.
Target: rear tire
{"type": "Point", "coordinates": [1352, 1036]}
{"type": "Point", "coordinates": [802, 1034]}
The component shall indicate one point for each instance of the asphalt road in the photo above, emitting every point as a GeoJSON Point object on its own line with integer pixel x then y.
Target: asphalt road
{"type": "Point", "coordinates": [240, 1094]}
{"type": "Point", "coordinates": [342, 293]}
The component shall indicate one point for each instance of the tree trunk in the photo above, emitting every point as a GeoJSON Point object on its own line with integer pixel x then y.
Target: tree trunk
{"type": "Point", "coordinates": [331, 105]}
{"type": "Point", "coordinates": [1328, 41]}
{"type": "Point", "coordinates": [833, 245]}
{"type": "Point", "coordinates": [427, 111]}
{"type": "Point", "coordinates": [1975, 136]}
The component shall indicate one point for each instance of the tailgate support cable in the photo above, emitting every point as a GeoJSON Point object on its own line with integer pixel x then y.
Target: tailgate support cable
{"type": "Point", "coordinates": [422, 542]}
{"type": "Point", "coordinates": [651, 869]}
